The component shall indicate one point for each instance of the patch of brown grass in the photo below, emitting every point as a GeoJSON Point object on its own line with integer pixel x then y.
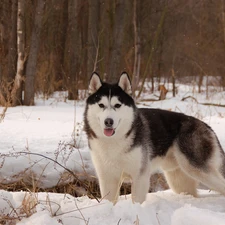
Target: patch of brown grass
{"type": "Point", "coordinates": [80, 188]}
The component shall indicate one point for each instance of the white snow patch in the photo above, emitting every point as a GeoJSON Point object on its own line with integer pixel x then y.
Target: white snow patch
{"type": "Point", "coordinates": [54, 129]}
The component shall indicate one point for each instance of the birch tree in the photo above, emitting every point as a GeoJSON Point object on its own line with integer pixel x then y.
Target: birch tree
{"type": "Point", "coordinates": [16, 94]}
{"type": "Point", "coordinates": [137, 45]}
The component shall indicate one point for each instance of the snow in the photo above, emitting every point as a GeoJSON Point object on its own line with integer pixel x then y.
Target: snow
{"type": "Point", "coordinates": [197, 216]}
{"type": "Point", "coordinates": [53, 128]}
{"type": "Point", "coordinates": [163, 207]}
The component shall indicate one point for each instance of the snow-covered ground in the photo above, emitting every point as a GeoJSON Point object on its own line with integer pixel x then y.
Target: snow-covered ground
{"type": "Point", "coordinates": [53, 128]}
{"type": "Point", "coordinates": [160, 208]}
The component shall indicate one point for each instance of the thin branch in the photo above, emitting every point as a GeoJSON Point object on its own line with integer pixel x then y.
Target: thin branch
{"type": "Point", "coordinates": [68, 170]}
{"type": "Point", "coordinates": [184, 98]}
{"type": "Point", "coordinates": [75, 210]}
{"type": "Point", "coordinates": [204, 103]}
{"type": "Point", "coordinates": [2, 115]}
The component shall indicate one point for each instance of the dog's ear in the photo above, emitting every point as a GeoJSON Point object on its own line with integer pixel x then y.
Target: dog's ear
{"type": "Point", "coordinates": [95, 83]}
{"type": "Point", "coordinates": [124, 83]}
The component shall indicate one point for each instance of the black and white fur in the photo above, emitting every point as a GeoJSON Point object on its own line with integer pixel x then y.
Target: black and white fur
{"type": "Point", "coordinates": [127, 141]}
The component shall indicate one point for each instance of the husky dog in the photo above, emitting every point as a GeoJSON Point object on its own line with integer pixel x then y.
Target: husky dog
{"type": "Point", "coordinates": [127, 141]}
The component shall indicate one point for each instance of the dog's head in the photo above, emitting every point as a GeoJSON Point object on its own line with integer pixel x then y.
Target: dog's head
{"type": "Point", "coordinates": [110, 107]}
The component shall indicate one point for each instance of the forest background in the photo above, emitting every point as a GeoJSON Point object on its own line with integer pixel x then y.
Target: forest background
{"type": "Point", "coordinates": [55, 45]}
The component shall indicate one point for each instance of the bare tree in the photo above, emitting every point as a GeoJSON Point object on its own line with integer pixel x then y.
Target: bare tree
{"type": "Point", "coordinates": [16, 94]}
{"type": "Point", "coordinates": [137, 45]}
{"type": "Point", "coordinates": [73, 49]}
{"type": "Point", "coordinates": [79, 36]}
{"type": "Point", "coordinates": [83, 24]}
{"type": "Point", "coordinates": [154, 46]}
{"type": "Point", "coordinates": [223, 27]}
{"type": "Point", "coordinates": [93, 39]}
{"type": "Point", "coordinates": [12, 54]}
{"type": "Point", "coordinates": [118, 38]}
{"type": "Point", "coordinates": [33, 53]}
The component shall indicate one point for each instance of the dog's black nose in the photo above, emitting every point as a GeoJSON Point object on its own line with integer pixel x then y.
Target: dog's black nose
{"type": "Point", "coordinates": [109, 122]}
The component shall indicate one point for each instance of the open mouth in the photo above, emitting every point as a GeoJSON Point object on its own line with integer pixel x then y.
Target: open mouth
{"type": "Point", "coordinates": [109, 132]}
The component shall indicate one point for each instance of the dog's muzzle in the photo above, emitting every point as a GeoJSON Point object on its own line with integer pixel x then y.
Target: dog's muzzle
{"type": "Point", "coordinates": [109, 131]}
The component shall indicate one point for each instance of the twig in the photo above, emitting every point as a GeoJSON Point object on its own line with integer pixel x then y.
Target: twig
{"type": "Point", "coordinates": [86, 221]}
{"type": "Point", "coordinates": [2, 115]}
{"type": "Point", "coordinates": [12, 208]}
{"type": "Point", "coordinates": [208, 104]}
{"type": "Point", "coordinates": [68, 170]}
{"type": "Point", "coordinates": [184, 98]}
{"type": "Point", "coordinates": [75, 210]}
{"type": "Point", "coordinates": [158, 219]}
{"type": "Point", "coordinates": [213, 104]}
{"type": "Point", "coordinates": [48, 202]}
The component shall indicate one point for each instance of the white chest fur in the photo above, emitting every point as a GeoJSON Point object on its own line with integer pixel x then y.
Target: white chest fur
{"type": "Point", "coordinates": [115, 156]}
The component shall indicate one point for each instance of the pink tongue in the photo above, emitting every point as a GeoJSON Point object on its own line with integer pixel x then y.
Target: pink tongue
{"type": "Point", "coordinates": [108, 132]}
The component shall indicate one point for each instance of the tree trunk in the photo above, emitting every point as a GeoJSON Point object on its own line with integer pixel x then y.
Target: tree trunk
{"type": "Point", "coordinates": [106, 38]}
{"type": "Point", "coordinates": [93, 39]}
{"type": "Point", "coordinates": [148, 66]}
{"type": "Point", "coordinates": [118, 38]}
{"type": "Point", "coordinates": [84, 42]}
{"type": "Point", "coordinates": [137, 45]}
{"type": "Point", "coordinates": [12, 54]}
{"type": "Point", "coordinates": [200, 80]}
{"type": "Point", "coordinates": [33, 53]}
{"type": "Point", "coordinates": [173, 70]}
{"type": "Point", "coordinates": [173, 82]}
{"type": "Point", "coordinates": [223, 27]}
{"type": "Point", "coordinates": [163, 92]}
{"type": "Point", "coordinates": [57, 30]}
{"type": "Point", "coordinates": [73, 49]}
{"type": "Point", "coordinates": [16, 94]}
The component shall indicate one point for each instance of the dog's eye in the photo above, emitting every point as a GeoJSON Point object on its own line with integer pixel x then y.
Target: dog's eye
{"type": "Point", "coordinates": [117, 106]}
{"type": "Point", "coordinates": [101, 105]}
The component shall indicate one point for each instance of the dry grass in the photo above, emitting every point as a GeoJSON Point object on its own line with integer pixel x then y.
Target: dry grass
{"type": "Point", "coordinates": [69, 183]}
{"type": "Point", "coordinates": [29, 203]}
{"type": "Point", "coordinates": [79, 188]}
{"type": "Point", "coordinates": [85, 185]}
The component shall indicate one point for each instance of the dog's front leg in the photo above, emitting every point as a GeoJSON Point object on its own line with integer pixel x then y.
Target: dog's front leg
{"type": "Point", "coordinates": [109, 187]}
{"type": "Point", "coordinates": [109, 177]}
{"type": "Point", "coordinates": [140, 187]}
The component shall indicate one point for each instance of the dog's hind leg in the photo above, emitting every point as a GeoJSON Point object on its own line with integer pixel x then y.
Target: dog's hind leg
{"type": "Point", "coordinates": [179, 182]}
{"type": "Point", "coordinates": [210, 174]}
